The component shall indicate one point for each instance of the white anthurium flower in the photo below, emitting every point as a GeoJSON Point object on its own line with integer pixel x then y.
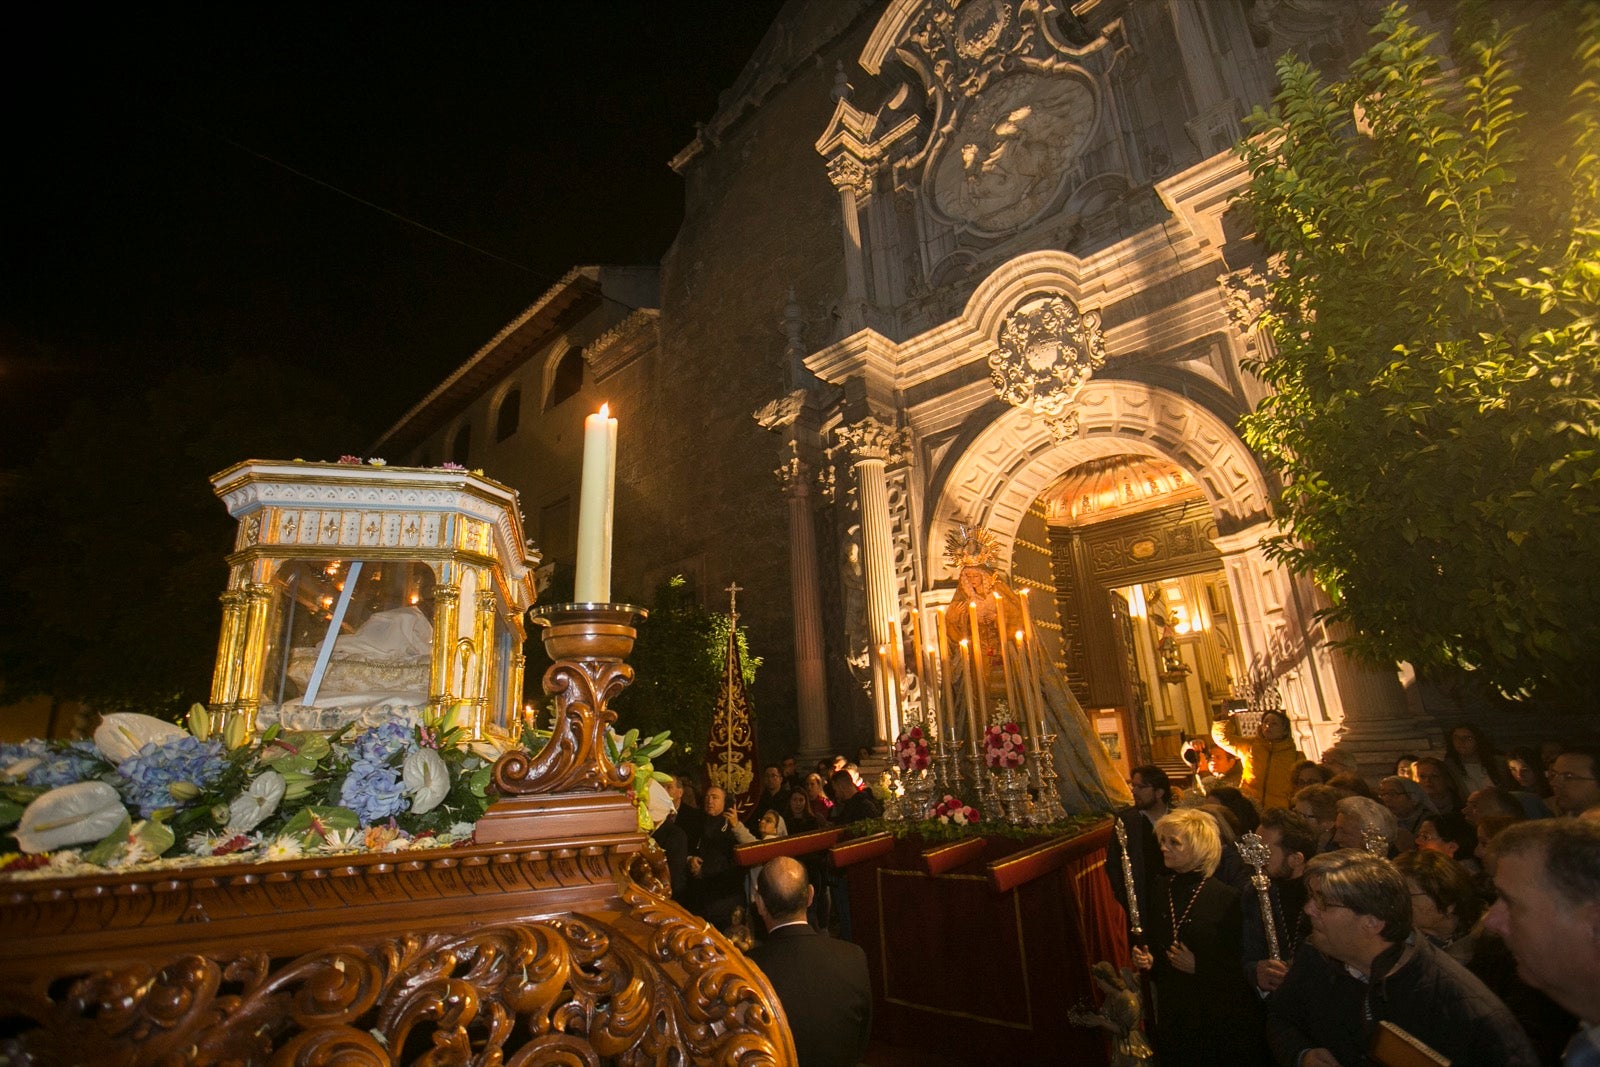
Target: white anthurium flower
{"type": "Point", "coordinates": [252, 807]}
{"type": "Point", "coordinates": [122, 734]}
{"type": "Point", "coordinates": [71, 815]}
{"type": "Point", "coordinates": [14, 771]}
{"type": "Point", "coordinates": [427, 780]}
{"type": "Point", "coordinates": [658, 802]}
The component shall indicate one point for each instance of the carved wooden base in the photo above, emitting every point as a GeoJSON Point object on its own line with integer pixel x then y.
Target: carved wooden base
{"type": "Point", "coordinates": [639, 983]}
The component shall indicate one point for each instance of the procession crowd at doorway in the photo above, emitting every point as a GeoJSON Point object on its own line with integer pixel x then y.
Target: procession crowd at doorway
{"type": "Point", "coordinates": [1456, 900]}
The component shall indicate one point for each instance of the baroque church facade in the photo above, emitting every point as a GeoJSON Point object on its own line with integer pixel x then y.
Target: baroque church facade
{"type": "Point", "coordinates": [949, 263]}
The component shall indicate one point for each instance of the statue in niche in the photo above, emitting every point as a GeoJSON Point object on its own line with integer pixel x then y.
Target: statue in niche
{"type": "Point", "coordinates": [1089, 778]}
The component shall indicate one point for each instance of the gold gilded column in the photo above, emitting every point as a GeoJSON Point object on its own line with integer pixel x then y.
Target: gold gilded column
{"type": "Point", "coordinates": [258, 605]}
{"type": "Point", "coordinates": [230, 649]}
{"type": "Point", "coordinates": [446, 604]}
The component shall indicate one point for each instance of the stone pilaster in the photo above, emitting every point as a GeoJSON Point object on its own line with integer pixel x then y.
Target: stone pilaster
{"type": "Point", "coordinates": [811, 686]}
{"type": "Point", "coordinates": [872, 446]}
{"type": "Point", "coordinates": [853, 181]}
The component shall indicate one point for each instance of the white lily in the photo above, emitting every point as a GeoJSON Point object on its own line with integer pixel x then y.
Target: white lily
{"type": "Point", "coordinates": [71, 815]}
{"type": "Point", "coordinates": [252, 807]}
{"type": "Point", "coordinates": [427, 780]}
{"type": "Point", "coordinates": [122, 734]}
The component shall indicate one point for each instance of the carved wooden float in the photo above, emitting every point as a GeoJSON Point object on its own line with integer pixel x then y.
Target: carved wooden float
{"type": "Point", "coordinates": [542, 943]}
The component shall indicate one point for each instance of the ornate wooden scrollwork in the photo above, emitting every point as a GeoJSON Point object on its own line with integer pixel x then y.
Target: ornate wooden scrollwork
{"type": "Point", "coordinates": [643, 984]}
{"type": "Point", "coordinates": [589, 643]}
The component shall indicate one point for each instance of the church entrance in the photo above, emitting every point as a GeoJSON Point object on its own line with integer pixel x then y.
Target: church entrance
{"type": "Point", "coordinates": [1123, 536]}
{"type": "Point", "coordinates": [1143, 621]}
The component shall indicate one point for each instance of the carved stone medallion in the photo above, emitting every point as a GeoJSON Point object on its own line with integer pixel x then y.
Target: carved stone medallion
{"type": "Point", "coordinates": [1047, 351]}
{"type": "Point", "coordinates": [1011, 151]}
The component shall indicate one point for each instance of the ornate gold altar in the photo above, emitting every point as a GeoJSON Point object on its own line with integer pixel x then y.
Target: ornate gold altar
{"type": "Point", "coordinates": [547, 940]}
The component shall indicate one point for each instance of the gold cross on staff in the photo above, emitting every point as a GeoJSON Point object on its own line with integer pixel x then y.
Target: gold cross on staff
{"type": "Point", "coordinates": [733, 592]}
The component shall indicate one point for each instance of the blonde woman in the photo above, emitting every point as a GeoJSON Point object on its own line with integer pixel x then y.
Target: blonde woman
{"type": "Point", "coordinates": [1194, 927]}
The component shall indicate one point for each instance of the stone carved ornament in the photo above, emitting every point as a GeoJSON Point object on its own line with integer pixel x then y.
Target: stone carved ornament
{"type": "Point", "coordinates": [1047, 351]}
{"type": "Point", "coordinates": [1012, 112]}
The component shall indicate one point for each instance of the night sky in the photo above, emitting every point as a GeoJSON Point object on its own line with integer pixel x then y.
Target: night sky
{"type": "Point", "coordinates": [153, 221]}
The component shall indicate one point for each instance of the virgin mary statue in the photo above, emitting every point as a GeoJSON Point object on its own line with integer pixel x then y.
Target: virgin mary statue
{"type": "Point", "coordinates": [1089, 780]}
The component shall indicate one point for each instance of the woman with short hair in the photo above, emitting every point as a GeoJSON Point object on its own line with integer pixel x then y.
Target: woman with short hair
{"type": "Point", "coordinates": [1445, 903]}
{"type": "Point", "coordinates": [1194, 929]}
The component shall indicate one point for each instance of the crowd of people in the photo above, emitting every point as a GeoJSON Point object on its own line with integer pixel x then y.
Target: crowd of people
{"type": "Point", "coordinates": [1428, 902]}
{"type": "Point", "coordinates": [821, 981]}
{"type": "Point", "coordinates": [1455, 902]}
{"type": "Point", "coordinates": [699, 837]}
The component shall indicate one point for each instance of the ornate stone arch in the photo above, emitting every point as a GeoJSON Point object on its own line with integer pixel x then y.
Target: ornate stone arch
{"type": "Point", "coordinates": [1014, 459]}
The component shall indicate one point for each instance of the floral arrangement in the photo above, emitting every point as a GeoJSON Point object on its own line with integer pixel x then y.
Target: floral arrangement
{"type": "Point", "coordinates": [950, 810]}
{"type": "Point", "coordinates": [911, 748]}
{"type": "Point", "coordinates": [1003, 746]}
{"type": "Point", "coordinates": [145, 789]}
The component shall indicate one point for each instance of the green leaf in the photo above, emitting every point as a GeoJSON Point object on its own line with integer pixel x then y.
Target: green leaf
{"type": "Point", "coordinates": [307, 819]}
{"type": "Point", "coordinates": [103, 853]}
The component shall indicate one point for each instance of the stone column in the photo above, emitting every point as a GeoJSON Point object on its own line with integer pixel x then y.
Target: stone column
{"type": "Point", "coordinates": [1215, 123]}
{"type": "Point", "coordinates": [1340, 699]}
{"type": "Point", "coordinates": [811, 688]}
{"type": "Point", "coordinates": [853, 181]}
{"type": "Point", "coordinates": [872, 446]}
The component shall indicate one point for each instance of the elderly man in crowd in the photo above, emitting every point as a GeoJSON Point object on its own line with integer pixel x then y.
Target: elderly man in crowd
{"type": "Point", "coordinates": [821, 982]}
{"type": "Point", "coordinates": [1358, 821]}
{"type": "Point", "coordinates": [1363, 967]}
{"type": "Point", "coordinates": [1548, 877]}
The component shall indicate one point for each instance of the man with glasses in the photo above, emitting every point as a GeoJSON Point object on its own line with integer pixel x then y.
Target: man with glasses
{"type": "Point", "coordinates": [1572, 779]}
{"type": "Point", "coordinates": [1364, 966]}
{"type": "Point", "coordinates": [1152, 799]}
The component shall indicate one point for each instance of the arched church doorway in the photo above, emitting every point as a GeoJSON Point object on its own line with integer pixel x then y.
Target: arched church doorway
{"type": "Point", "coordinates": [1147, 623]}
{"type": "Point", "coordinates": [1116, 532]}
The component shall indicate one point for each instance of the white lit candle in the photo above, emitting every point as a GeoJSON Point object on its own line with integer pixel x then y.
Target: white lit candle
{"type": "Point", "coordinates": [593, 585]}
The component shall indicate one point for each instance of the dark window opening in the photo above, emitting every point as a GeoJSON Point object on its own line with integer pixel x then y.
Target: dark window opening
{"type": "Point", "coordinates": [506, 419]}
{"type": "Point", "coordinates": [569, 378]}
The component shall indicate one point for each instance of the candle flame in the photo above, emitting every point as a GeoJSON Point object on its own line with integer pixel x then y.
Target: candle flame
{"type": "Point", "coordinates": [1019, 637]}
{"type": "Point", "coordinates": [963, 642]}
{"type": "Point", "coordinates": [605, 411]}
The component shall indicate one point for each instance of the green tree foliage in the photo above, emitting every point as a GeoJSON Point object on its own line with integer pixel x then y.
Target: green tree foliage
{"type": "Point", "coordinates": [1435, 277]}
{"type": "Point", "coordinates": [115, 544]}
{"type": "Point", "coordinates": [678, 663]}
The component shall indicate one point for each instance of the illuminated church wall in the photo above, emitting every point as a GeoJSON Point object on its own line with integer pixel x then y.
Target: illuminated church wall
{"type": "Point", "coordinates": [885, 189]}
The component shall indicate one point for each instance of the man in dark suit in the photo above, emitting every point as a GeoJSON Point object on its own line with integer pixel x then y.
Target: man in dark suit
{"type": "Point", "coordinates": [821, 982]}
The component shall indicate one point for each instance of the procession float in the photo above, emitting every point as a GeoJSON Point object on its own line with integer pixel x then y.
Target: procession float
{"type": "Point", "coordinates": [362, 849]}
{"type": "Point", "coordinates": [367, 848]}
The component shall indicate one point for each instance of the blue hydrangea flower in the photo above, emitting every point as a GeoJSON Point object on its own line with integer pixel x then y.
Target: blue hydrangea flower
{"type": "Point", "coordinates": [382, 744]}
{"type": "Point", "coordinates": [374, 792]}
{"type": "Point", "coordinates": [149, 774]}
{"type": "Point", "coordinates": [58, 763]}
